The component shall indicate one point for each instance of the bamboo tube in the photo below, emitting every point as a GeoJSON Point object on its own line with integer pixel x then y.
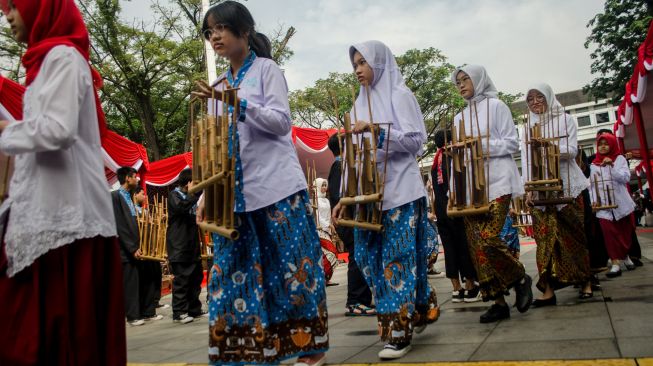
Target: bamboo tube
{"type": "Point", "coordinates": [362, 225]}
{"type": "Point", "coordinates": [228, 233]}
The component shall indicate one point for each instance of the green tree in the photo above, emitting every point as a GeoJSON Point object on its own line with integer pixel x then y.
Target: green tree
{"type": "Point", "coordinates": [616, 34]}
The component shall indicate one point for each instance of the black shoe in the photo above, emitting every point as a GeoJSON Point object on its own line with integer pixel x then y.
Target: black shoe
{"type": "Point", "coordinates": [495, 313]}
{"type": "Point", "coordinates": [539, 303]}
{"type": "Point", "coordinates": [637, 262]}
{"type": "Point", "coordinates": [524, 294]}
{"type": "Point", "coordinates": [473, 295]}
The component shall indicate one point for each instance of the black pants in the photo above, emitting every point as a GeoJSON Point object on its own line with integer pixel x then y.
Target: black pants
{"type": "Point", "coordinates": [457, 263]}
{"type": "Point", "coordinates": [140, 291]}
{"type": "Point", "coordinates": [149, 279]}
{"type": "Point", "coordinates": [186, 288]}
{"type": "Point", "coordinates": [635, 250]}
{"type": "Point", "coordinates": [358, 292]}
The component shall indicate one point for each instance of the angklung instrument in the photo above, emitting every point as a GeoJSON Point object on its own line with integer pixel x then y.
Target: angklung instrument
{"type": "Point", "coordinates": [468, 189]}
{"type": "Point", "coordinates": [602, 190]}
{"type": "Point", "coordinates": [521, 212]}
{"type": "Point", "coordinates": [362, 184]}
{"type": "Point", "coordinates": [544, 177]}
{"type": "Point", "coordinates": [152, 227]}
{"type": "Point", "coordinates": [214, 144]}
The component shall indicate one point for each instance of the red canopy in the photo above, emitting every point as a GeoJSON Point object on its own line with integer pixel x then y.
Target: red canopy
{"type": "Point", "coordinates": [311, 145]}
{"type": "Point", "coordinates": [119, 151]}
{"type": "Point", "coordinates": [635, 107]}
{"type": "Point", "coordinates": [164, 172]}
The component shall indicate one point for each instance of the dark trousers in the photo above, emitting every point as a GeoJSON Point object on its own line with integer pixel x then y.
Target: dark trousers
{"type": "Point", "coordinates": [358, 292]}
{"type": "Point", "coordinates": [186, 288]}
{"type": "Point", "coordinates": [140, 289]}
{"type": "Point", "coordinates": [457, 262]}
{"type": "Point", "coordinates": [635, 250]}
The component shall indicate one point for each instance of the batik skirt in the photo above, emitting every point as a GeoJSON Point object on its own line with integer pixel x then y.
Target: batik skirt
{"type": "Point", "coordinates": [433, 246]}
{"type": "Point", "coordinates": [496, 268]}
{"type": "Point", "coordinates": [393, 263]}
{"type": "Point", "coordinates": [267, 298]}
{"type": "Point", "coordinates": [562, 256]}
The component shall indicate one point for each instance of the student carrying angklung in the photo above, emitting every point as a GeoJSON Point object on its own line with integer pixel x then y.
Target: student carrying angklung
{"type": "Point", "coordinates": [496, 268]}
{"type": "Point", "coordinates": [609, 176]}
{"type": "Point", "coordinates": [394, 260]}
{"type": "Point", "coordinates": [267, 299]}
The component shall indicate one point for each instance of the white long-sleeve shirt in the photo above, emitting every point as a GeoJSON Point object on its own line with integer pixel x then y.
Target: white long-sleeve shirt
{"type": "Point", "coordinates": [58, 191]}
{"type": "Point", "coordinates": [500, 169]}
{"type": "Point", "coordinates": [271, 170]}
{"type": "Point", "coordinates": [573, 179]}
{"type": "Point", "coordinates": [615, 178]}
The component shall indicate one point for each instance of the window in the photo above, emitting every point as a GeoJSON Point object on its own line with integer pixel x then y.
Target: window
{"type": "Point", "coordinates": [616, 115]}
{"type": "Point", "coordinates": [581, 110]}
{"type": "Point", "coordinates": [603, 117]}
{"type": "Point", "coordinates": [588, 149]}
{"type": "Point", "coordinates": [584, 121]}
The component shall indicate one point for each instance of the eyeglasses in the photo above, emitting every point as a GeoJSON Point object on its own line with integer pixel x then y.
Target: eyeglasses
{"type": "Point", "coordinates": [538, 98]}
{"type": "Point", "coordinates": [217, 28]}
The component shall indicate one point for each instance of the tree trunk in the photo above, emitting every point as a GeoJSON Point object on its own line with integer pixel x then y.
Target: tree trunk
{"type": "Point", "coordinates": [147, 118]}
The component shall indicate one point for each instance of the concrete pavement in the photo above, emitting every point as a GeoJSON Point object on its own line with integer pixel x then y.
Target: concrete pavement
{"type": "Point", "coordinates": [615, 326]}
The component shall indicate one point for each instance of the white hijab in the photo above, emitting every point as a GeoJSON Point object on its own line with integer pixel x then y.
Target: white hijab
{"type": "Point", "coordinates": [553, 107]}
{"type": "Point", "coordinates": [483, 85]}
{"type": "Point", "coordinates": [392, 101]}
{"type": "Point", "coordinates": [317, 183]}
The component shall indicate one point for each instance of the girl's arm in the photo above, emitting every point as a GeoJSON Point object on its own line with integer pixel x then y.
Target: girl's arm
{"type": "Point", "coordinates": [273, 116]}
{"type": "Point", "coordinates": [55, 127]}
{"type": "Point", "coordinates": [408, 134]}
{"type": "Point", "coordinates": [620, 170]}
{"type": "Point", "coordinates": [569, 145]}
{"type": "Point", "coordinates": [504, 140]}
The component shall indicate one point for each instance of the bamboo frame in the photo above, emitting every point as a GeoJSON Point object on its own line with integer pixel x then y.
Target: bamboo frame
{"type": "Point", "coordinates": [522, 213]}
{"type": "Point", "coordinates": [363, 185]}
{"type": "Point", "coordinates": [469, 187]}
{"type": "Point", "coordinates": [603, 197]}
{"type": "Point", "coordinates": [212, 132]}
{"type": "Point", "coordinates": [152, 228]}
{"type": "Point", "coordinates": [543, 155]}
{"type": "Point", "coordinates": [6, 171]}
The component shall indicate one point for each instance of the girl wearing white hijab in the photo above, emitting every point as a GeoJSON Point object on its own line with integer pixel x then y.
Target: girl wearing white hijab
{"type": "Point", "coordinates": [496, 268]}
{"type": "Point", "coordinates": [329, 250]}
{"type": "Point", "coordinates": [562, 256]}
{"type": "Point", "coordinates": [394, 261]}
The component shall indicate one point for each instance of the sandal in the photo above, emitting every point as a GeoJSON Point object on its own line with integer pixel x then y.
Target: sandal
{"type": "Point", "coordinates": [360, 310]}
{"type": "Point", "coordinates": [585, 295]}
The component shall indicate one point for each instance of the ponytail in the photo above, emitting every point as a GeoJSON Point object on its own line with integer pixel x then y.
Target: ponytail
{"type": "Point", "coordinates": [260, 44]}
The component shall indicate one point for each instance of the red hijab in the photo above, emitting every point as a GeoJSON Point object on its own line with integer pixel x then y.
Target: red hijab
{"type": "Point", "coordinates": [53, 23]}
{"type": "Point", "coordinates": [614, 148]}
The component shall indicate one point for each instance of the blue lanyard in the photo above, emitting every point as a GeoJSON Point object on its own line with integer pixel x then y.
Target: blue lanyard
{"type": "Point", "coordinates": [243, 70]}
{"type": "Point", "coordinates": [129, 201]}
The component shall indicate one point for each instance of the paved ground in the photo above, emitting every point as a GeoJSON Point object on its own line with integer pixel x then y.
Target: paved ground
{"type": "Point", "coordinates": [616, 326]}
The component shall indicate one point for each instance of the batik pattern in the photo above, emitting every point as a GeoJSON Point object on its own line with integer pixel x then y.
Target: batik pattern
{"type": "Point", "coordinates": [393, 263]}
{"type": "Point", "coordinates": [433, 246]}
{"type": "Point", "coordinates": [496, 268]}
{"type": "Point", "coordinates": [562, 256]}
{"type": "Point", "coordinates": [267, 298]}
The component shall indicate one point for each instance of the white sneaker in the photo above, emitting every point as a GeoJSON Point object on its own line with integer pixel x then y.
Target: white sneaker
{"type": "Point", "coordinates": [136, 323]}
{"type": "Point", "coordinates": [391, 351]}
{"type": "Point", "coordinates": [458, 296]}
{"type": "Point", "coordinates": [184, 319]}
{"type": "Point", "coordinates": [629, 264]}
{"type": "Point", "coordinates": [156, 317]}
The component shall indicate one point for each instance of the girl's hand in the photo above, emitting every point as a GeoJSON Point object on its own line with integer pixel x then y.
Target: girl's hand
{"type": "Point", "coordinates": [335, 214]}
{"type": "Point", "coordinates": [3, 125]}
{"type": "Point", "coordinates": [431, 216]}
{"type": "Point", "coordinates": [199, 214]}
{"type": "Point", "coordinates": [607, 161]}
{"type": "Point", "coordinates": [361, 127]}
{"type": "Point", "coordinates": [204, 90]}
{"type": "Point", "coordinates": [529, 199]}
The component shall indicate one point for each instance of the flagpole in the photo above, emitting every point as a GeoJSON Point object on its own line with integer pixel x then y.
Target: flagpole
{"type": "Point", "coordinates": [208, 50]}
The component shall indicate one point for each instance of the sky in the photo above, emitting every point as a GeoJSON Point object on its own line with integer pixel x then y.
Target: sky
{"type": "Point", "coordinates": [520, 42]}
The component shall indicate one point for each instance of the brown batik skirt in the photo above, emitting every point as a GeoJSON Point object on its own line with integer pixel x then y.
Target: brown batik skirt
{"type": "Point", "coordinates": [496, 267]}
{"type": "Point", "coordinates": [562, 256]}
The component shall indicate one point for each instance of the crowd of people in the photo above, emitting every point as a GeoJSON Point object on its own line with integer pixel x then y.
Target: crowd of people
{"type": "Point", "coordinates": [266, 289]}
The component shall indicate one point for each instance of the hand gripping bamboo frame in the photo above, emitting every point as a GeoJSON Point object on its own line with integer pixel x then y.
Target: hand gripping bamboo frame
{"type": "Point", "coordinates": [469, 189]}
{"type": "Point", "coordinates": [362, 193]}
{"type": "Point", "coordinates": [213, 167]}
{"type": "Point", "coordinates": [543, 160]}
{"type": "Point", "coordinates": [6, 170]}
{"type": "Point", "coordinates": [311, 175]}
{"type": "Point", "coordinates": [152, 227]}
{"type": "Point", "coordinates": [603, 192]}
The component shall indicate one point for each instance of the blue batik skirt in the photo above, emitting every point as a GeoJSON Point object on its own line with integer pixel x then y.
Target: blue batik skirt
{"type": "Point", "coordinates": [267, 299]}
{"type": "Point", "coordinates": [393, 263]}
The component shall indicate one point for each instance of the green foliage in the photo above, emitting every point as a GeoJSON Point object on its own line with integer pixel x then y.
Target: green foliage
{"type": "Point", "coordinates": [509, 99]}
{"type": "Point", "coordinates": [426, 73]}
{"type": "Point", "coordinates": [616, 34]}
